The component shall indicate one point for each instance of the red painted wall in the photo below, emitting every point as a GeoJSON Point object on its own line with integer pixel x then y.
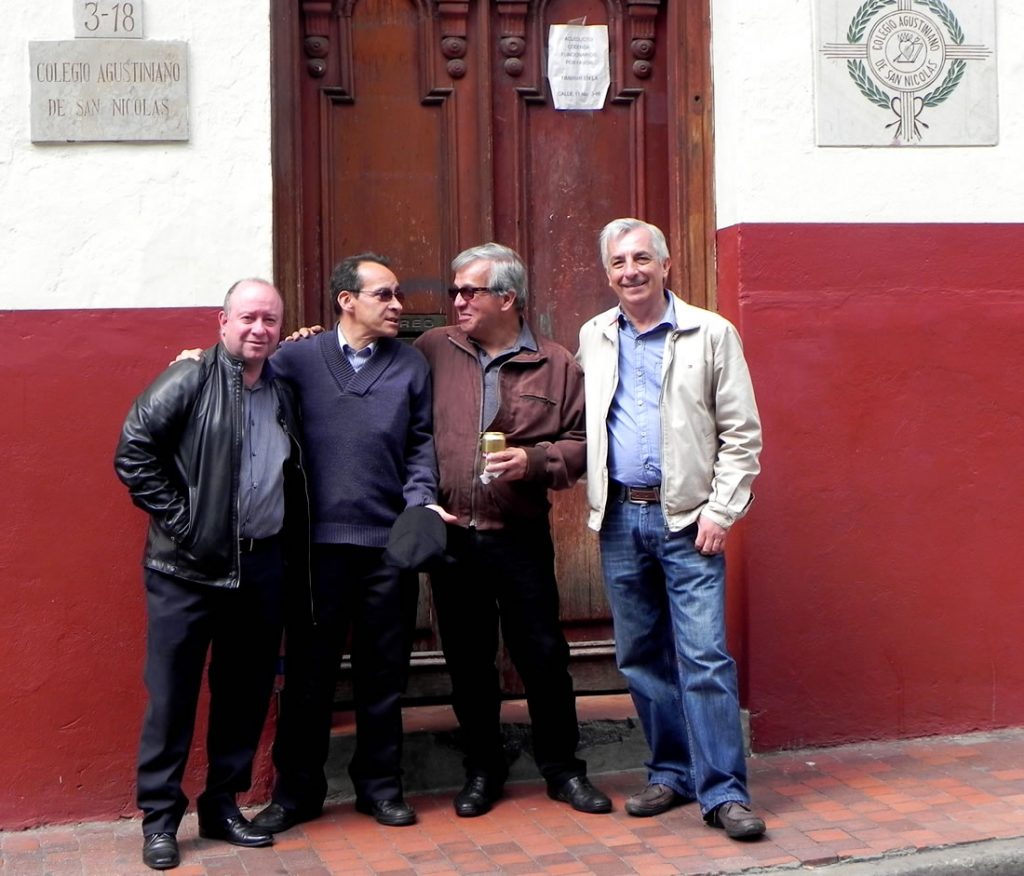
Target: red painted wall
{"type": "Point", "coordinates": [881, 564]}
{"type": "Point", "coordinates": [875, 585]}
{"type": "Point", "coordinates": [72, 629]}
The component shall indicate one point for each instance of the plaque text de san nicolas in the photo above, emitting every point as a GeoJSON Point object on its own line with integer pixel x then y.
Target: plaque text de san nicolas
{"type": "Point", "coordinates": [108, 89]}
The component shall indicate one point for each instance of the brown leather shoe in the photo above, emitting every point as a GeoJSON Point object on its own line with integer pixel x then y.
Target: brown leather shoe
{"type": "Point", "coordinates": [653, 800]}
{"type": "Point", "coordinates": [737, 820]}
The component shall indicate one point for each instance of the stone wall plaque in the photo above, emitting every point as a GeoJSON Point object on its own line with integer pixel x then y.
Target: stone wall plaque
{"type": "Point", "coordinates": [906, 73]}
{"type": "Point", "coordinates": [108, 89]}
{"type": "Point", "coordinates": [101, 19]}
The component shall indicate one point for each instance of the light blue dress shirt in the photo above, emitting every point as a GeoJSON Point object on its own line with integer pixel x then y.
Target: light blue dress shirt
{"type": "Point", "coordinates": [356, 358]}
{"type": "Point", "coordinates": [634, 418]}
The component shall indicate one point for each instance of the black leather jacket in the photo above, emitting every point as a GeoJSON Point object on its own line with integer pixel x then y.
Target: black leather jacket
{"type": "Point", "coordinates": [179, 456]}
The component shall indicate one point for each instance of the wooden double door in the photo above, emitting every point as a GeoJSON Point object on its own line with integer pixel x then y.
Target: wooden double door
{"type": "Point", "coordinates": [417, 128]}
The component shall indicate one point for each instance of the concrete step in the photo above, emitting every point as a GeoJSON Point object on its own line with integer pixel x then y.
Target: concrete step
{"type": "Point", "coordinates": [610, 741]}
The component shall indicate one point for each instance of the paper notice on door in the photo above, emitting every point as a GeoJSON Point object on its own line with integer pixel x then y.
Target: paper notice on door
{"type": "Point", "coordinates": [578, 66]}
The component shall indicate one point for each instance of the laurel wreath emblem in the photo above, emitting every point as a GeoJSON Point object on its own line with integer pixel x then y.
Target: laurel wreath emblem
{"type": "Point", "coordinates": [866, 85]}
{"type": "Point", "coordinates": [863, 16]}
{"type": "Point", "coordinates": [869, 88]}
{"type": "Point", "coordinates": [949, 83]}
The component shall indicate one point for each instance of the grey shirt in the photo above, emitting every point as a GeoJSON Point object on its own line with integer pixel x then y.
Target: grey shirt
{"type": "Point", "coordinates": [490, 366]}
{"type": "Point", "coordinates": [261, 478]}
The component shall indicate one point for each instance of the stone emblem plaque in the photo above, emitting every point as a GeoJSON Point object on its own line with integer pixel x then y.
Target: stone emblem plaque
{"type": "Point", "coordinates": [906, 73]}
{"type": "Point", "coordinates": [108, 89]}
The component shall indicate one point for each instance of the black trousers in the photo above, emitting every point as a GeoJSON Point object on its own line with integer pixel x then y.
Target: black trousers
{"type": "Point", "coordinates": [241, 629]}
{"type": "Point", "coordinates": [353, 589]}
{"type": "Point", "coordinates": [507, 576]}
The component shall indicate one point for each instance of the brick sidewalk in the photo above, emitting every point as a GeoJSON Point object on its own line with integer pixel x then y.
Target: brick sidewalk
{"type": "Point", "coordinates": [821, 805]}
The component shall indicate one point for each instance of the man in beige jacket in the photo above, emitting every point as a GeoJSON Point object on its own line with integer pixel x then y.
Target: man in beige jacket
{"type": "Point", "coordinates": [673, 439]}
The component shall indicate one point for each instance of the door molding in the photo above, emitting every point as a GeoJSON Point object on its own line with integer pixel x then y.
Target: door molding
{"type": "Point", "coordinates": [301, 51]}
{"type": "Point", "coordinates": [478, 73]}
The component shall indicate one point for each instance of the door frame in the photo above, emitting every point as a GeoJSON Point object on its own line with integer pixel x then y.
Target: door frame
{"type": "Point", "coordinates": [300, 33]}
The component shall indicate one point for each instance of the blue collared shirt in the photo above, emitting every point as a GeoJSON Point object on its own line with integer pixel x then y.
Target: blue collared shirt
{"type": "Point", "coordinates": [634, 418]}
{"type": "Point", "coordinates": [356, 358]}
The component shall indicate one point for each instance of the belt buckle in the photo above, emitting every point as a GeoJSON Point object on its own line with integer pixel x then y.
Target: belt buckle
{"type": "Point", "coordinates": [642, 495]}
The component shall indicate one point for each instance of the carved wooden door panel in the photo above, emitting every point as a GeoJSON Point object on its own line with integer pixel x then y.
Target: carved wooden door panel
{"type": "Point", "coordinates": [417, 128]}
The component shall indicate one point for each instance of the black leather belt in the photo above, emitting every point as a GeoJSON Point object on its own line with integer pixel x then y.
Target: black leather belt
{"type": "Point", "coordinates": [252, 545]}
{"type": "Point", "coordinates": [636, 495]}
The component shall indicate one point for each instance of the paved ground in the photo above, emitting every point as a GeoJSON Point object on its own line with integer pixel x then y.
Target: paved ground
{"type": "Point", "coordinates": [898, 807]}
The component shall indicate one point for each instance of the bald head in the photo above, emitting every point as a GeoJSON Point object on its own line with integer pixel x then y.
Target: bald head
{"type": "Point", "coordinates": [250, 323]}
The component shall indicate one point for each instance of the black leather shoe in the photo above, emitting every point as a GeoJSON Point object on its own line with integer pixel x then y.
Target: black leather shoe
{"type": "Point", "coordinates": [237, 831]}
{"type": "Point", "coordinates": [476, 797]}
{"type": "Point", "coordinates": [275, 818]}
{"type": "Point", "coordinates": [160, 851]}
{"type": "Point", "coordinates": [391, 813]}
{"type": "Point", "coordinates": [737, 820]}
{"type": "Point", "coordinates": [653, 800]}
{"type": "Point", "coordinates": [581, 796]}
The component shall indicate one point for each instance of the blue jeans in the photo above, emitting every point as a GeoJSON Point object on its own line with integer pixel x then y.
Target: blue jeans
{"type": "Point", "coordinates": [668, 607]}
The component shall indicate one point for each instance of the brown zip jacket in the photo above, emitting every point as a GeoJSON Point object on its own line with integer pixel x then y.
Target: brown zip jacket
{"type": "Point", "coordinates": [540, 410]}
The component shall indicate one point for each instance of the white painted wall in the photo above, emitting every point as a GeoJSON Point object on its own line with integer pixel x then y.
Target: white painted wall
{"type": "Point", "coordinates": [172, 225]}
{"type": "Point", "coordinates": [768, 169]}
{"type": "Point", "coordinates": [141, 225]}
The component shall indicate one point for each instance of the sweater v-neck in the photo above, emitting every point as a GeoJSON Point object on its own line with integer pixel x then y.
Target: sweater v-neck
{"type": "Point", "coordinates": [348, 379]}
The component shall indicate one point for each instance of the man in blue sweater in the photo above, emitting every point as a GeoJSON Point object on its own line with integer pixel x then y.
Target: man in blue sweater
{"type": "Point", "coordinates": [365, 400]}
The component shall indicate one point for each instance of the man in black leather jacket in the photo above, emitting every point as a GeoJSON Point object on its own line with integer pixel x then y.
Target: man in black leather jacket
{"type": "Point", "coordinates": [211, 451]}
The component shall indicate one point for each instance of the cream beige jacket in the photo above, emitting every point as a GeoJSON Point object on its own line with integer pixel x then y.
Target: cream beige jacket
{"type": "Point", "coordinates": [710, 430]}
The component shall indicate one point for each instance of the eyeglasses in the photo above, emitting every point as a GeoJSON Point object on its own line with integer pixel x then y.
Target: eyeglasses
{"type": "Point", "coordinates": [384, 295]}
{"type": "Point", "coordinates": [468, 293]}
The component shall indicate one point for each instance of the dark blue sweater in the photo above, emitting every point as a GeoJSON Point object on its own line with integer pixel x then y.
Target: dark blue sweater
{"type": "Point", "coordinates": [369, 440]}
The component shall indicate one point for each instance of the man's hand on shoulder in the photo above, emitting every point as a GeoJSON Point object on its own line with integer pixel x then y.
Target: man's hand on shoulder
{"type": "Point", "coordinates": [185, 355]}
{"type": "Point", "coordinates": [307, 331]}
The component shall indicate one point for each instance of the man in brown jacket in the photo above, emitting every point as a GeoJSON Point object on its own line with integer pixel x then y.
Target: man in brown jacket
{"type": "Point", "coordinates": [491, 373]}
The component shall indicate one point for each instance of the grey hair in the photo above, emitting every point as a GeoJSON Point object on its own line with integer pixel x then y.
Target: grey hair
{"type": "Point", "coordinates": [508, 273]}
{"type": "Point", "coordinates": [257, 280]}
{"type": "Point", "coordinates": [620, 227]}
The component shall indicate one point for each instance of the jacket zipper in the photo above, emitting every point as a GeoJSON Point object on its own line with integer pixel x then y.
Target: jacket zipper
{"type": "Point", "coordinates": [239, 409]}
{"type": "Point", "coordinates": [478, 456]}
